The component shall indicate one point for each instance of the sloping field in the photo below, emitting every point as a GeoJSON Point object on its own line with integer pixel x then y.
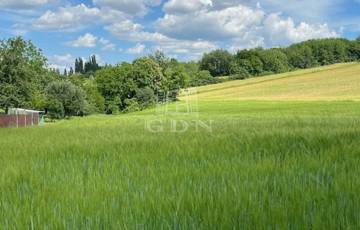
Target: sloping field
{"type": "Point", "coordinates": [336, 82]}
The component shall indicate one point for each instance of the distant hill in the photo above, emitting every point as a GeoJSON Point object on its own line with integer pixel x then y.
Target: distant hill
{"type": "Point", "coordinates": [334, 82]}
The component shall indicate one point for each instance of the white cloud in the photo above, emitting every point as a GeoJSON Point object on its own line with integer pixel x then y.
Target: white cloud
{"type": "Point", "coordinates": [212, 25]}
{"type": "Point", "coordinates": [87, 40]}
{"type": "Point", "coordinates": [73, 18]}
{"type": "Point", "coordinates": [181, 6]}
{"type": "Point", "coordinates": [68, 18]}
{"type": "Point", "coordinates": [188, 49]}
{"type": "Point", "coordinates": [283, 31]}
{"type": "Point", "coordinates": [309, 10]}
{"type": "Point", "coordinates": [130, 31]}
{"type": "Point", "coordinates": [239, 27]}
{"type": "Point", "coordinates": [107, 45]}
{"type": "Point", "coordinates": [137, 49]}
{"type": "Point", "coordinates": [129, 7]}
{"type": "Point", "coordinates": [127, 30]}
{"type": "Point", "coordinates": [23, 4]}
{"type": "Point", "coordinates": [61, 62]}
{"type": "Point", "coordinates": [189, 28]}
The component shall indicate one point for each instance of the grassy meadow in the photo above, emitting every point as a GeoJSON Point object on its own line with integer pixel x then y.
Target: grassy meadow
{"type": "Point", "coordinates": [278, 152]}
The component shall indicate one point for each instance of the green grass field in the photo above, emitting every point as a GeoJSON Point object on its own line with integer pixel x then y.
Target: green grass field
{"type": "Point", "coordinates": [285, 158]}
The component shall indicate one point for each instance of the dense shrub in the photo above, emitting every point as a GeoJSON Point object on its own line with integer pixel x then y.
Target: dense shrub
{"type": "Point", "coordinates": [65, 99]}
{"type": "Point", "coordinates": [145, 97]}
{"type": "Point", "coordinates": [240, 74]}
{"type": "Point", "coordinates": [203, 78]}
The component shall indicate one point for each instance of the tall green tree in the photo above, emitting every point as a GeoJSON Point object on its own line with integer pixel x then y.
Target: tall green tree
{"type": "Point", "coordinates": [116, 85]}
{"type": "Point", "coordinates": [275, 61]}
{"type": "Point", "coordinates": [147, 73]}
{"type": "Point", "coordinates": [217, 62]}
{"type": "Point", "coordinates": [22, 72]}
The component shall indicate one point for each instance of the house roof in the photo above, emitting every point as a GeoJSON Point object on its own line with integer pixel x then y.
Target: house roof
{"type": "Point", "coordinates": [24, 110]}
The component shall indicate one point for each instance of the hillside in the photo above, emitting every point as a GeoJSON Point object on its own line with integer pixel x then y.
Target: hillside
{"type": "Point", "coordinates": [335, 82]}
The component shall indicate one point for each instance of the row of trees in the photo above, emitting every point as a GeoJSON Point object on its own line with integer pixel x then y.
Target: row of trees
{"type": "Point", "coordinates": [259, 61]}
{"type": "Point", "coordinates": [90, 66]}
{"type": "Point", "coordinates": [26, 82]}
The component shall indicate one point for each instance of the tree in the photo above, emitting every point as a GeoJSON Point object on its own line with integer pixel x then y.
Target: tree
{"type": "Point", "coordinates": [250, 60]}
{"type": "Point", "coordinates": [21, 73]}
{"type": "Point", "coordinates": [161, 59]}
{"type": "Point", "coordinates": [275, 61]}
{"type": "Point", "coordinates": [202, 78]}
{"type": "Point", "coordinates": [354, 50]}
{"type": "Point", "coordinates": [65, 99]}
{"type": "Point", "coordinates": [145, 97]}
{"type": "Point", "coordinates": [91, 66]}
{"type": "Point", "coordinates": [93, 97]}
{"type": "Point", "coordinates": [116, 84]}
{"type": "Point", "coordinates": [147, 73]}
{"type": "Point", "coordinates": [176, 77]}
{"type": "Point", "coordinates": [217, 62]}
{"type": "Point", "coordinates": [300, 56]}
{"type": "Point", "coordinates": [79, 65]}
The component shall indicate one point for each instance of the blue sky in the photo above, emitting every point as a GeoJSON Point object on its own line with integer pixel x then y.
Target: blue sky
{"type": "Point", "coordinates": [121, 30]}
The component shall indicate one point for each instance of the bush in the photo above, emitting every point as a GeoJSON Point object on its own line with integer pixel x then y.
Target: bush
{"type": "Point", "coordinates": [65, 99]}
{"type": "Point", "coordinates": [145, 97]}
{"type": "Point", "coordinates": [203, 78]}
{"type": "Point", "coordinates": [240, 74]}
{"type": "Point", "coordinates": [55, 109]}
{"type": "Point", "coordinates": [131, 105]}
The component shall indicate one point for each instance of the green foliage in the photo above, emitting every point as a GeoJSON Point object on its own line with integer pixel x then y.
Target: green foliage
{"type": "Point", "coordinates": [131, 105]}
{"type": "Point", "coordinates": [176, 77]}
{"type": "Point", "coordinates": [147, 73]}
{"type": "Point", "coordinates": [93, 97]}
{"type": "Point", "coordinates": [116, 84]}
{"type": "Point", "coordinates": [250, 60]}
{"type": "Point", "coordinates": [21, 72]}
{"type": "Point", "coordinates": [160, 58]}
{"type": "Point", "coordinates": [65, 99]}
{"type": "Point", "coordinates": [217, 62]}
{"type": "Point", "coordinates": [145, 97]}
{"type": "Point", "coordinates": [55, 108]}
{"type": "Point", "coordinates": [300, 56]}
{"type": "Point", "coordinates": [203, 78]}
{"type": "Point", "coordinates": [91, 66]}
{"type": "Point", "coordinates": [239, 74]}
{"type": "Point", "coordinates": [259, 62]}
{"type": "Point", "coordinates": [79, 66]}
{"type": "Point", "coordinates": [132, 87]}
{"type": "Point", "coordinates": [354, 50]}
{"type": "Point", "coordinates": [274, 61]}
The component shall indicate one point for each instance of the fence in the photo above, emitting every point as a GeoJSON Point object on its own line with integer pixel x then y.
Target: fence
{"type": "Point", "coordinates": [18, 121]}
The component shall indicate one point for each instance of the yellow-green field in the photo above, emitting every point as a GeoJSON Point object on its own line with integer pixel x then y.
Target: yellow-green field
{"type": "Point", "coordinates": [336, 82]}
{"type": "Point", "coordinates": [277, 152]}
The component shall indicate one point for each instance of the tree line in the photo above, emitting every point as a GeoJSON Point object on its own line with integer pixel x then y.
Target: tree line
{"type": "Point", "coordinates": [27, 82]}
{"type": "Point", "coordinates": [259, 61]}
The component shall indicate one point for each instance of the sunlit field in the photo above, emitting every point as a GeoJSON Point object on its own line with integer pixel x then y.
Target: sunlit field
{"type": "Point", "coordinates": [277, 152]}
{"type": "Point", "coordinates": [327, 83]}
